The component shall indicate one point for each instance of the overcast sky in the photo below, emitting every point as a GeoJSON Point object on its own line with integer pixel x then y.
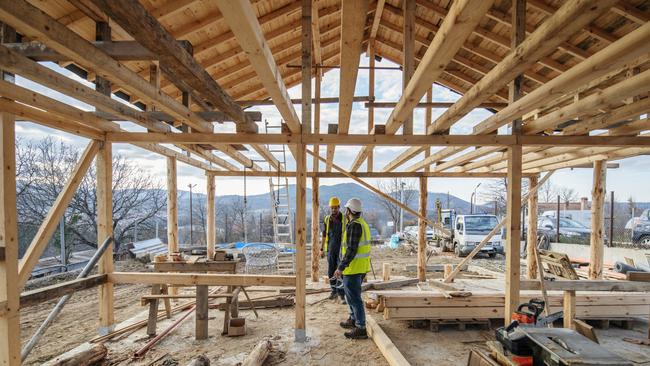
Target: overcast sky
{"type": "Point", "coordinates": [630, 180]}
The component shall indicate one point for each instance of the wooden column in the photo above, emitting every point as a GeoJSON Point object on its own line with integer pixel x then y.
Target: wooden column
{"type": "Point", "coordinates": [513, 212]}
{"type": "Point", "coordinates": [210, 217]}
{"type": "Point", "coordinates": [301, 213]}
{"type": "Point", "coordinates": [104, 163]}
{"type": "Point", "coordinates": [531, 232]}
{"type": "Point", "coordinates": [597, 245]}
{"type": "Point", "coordinates": [422, 232]}
{"type": "Point", "coordinates": [172, 209]}
{"type": "Point", "coordinates": [318, 78]}
{"type": "Point", "coordinates": [315, 229]}
{"type": "Point", "coordinates": [408, 54]}
{"type": "Point", "coordinates": [569, 308]}
{"type": "Point", "coordinates": [427, 122]}
{"type": "Point", "coordinates": [9, 291]}
{"type": "Point", "coordinates": [371, 109]}
{"type": "Point", "coordinates": [201, 323]}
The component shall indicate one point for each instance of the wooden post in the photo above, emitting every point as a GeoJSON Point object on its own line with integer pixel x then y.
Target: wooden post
{"type": "Point", "coordinates": [301, 213]}
{"type": "Point", "coordinates": [422, 232]}
{"type": "Point", "coordinates": [315, 162]}
{"type": "Point", "coordinates": [201, 325]}
{"type": "Point", "coordinates": [448, 270]}
{"type": "Point", "coordinates": [385, 272]}
{"type": "Point", "coordinates": [371, 109]}
{"type": "Point", "coordinates": [408, 55]}
{"type": "Point", "coordinates": [531, 234]}
{"type": "Point", "coordinates": [210, 218]}
{"type": "Point", "coordinates": [172, 209]}
{"type": "Point", "coordinates": [597, 245]}
{"type": "Point", "coordinates": [315, 228]}
{"type": "Point", "coordinates": [569, 303]}
{"type": "Point", "coordinates": [513, 211]}
{"type": "Point", "coordinates": [427, 122]}
{"type": "Point", "coordinates": [104, 162]}
{"type": "Point", "coordinates": [9, 292]}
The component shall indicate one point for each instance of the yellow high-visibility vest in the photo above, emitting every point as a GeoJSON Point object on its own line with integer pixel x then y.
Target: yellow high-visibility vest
{"type": "Point", "coordinates": [327, 230]}
{"type": "Point", "coordinates": [361, 261]}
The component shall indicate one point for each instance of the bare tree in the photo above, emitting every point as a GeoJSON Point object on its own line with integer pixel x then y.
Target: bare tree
{"type": "Point", "coordinates": [496, 190]}
{"type": "Point", "coordinates": [547, 192]}
{"type": "Point", "coordinates": [567, 195]}
{"type": "Point", "coordinates": [45, 167]}
{"type": "Point", "coordinates": [392, 188]}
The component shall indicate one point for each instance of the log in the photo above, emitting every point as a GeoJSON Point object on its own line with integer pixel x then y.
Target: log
{"type": "Point", "coordinates": [200, 360]}
{"type": "Point", "coordinates": [258, 355]}
{"type": "Point", "coordinates": [85, 355]}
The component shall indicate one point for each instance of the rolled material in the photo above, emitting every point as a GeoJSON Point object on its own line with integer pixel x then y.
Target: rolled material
{"type": "Point", "coordinates": [624, 268]}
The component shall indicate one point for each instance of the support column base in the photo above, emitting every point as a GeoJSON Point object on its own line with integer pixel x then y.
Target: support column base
{"type": "Point", "coordinates": [300, 335]}
{"type": "Point", "coordinates": [102, 331]}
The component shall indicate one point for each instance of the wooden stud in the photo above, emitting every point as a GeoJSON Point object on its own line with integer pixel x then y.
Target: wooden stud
{"type": "Point", "coordinates": [301, 250]}
{"type": "Point", "coordinates": [9, 292]}
{"type": "Point", "coordinates": [569, 305]}
{"type": "Point", "coordinates": [152, 320]}
{"type": "Point", "coordinates": [315, 228]}
{"type": "Point", "coordinates": [201, 324]}
{"type": "Point", "coordinates": [210, 231]}
{"type": "Point", "coordinates": [390, 352]}
{"type": "Point", "coordinates": [422, 231]}
{"type": "Point", "coordinates": [172, 208]}
{"type": "Point", "coordinates": [385, 272]}
{"type": "Point", "coordinates": [53, 217]}
{"type": "Point", "coordinates": [408, 54]}
{"type": "Point", "coordinates": [371, 93]}
{"type": "Point", "coordinates": [597, 245]}
{"type": "Point", "coordinates": [531, 234]}
{"type": "Point", "coordinates": [104, 163]}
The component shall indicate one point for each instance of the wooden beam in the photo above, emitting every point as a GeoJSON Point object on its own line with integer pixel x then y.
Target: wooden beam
{"type": "Point", "coordinates": [408, 55]}
{"type": "Point", "coordinates": [193, 279]}
{"type": "Point", "coordinates": [387, 348]}
{"type": "Point", "coordinates": [315, 228]}
{"type": "Point", "coordinates": [41, 295]}
{"type": "Point", "coordinates": [379, 10]}
{"type": "Point", "coordinates": [306, 67]}
{"type": "Point", "coordinates": [321, 174]}
{"type": "Point", "coordinates": [301, 245]}
{"type": "Point", "coordinates": [569, 307]}
{"type": "Point", "coordinates": [531, 233]}
{"type": "Point", "coordinates": [597, 244]}
{"type": "Point", "coordinates": [370, 165]}
{"type": "Point", "coordinates": [136, 20]}
{"type": "Point", "coordinates": [422, 231]}
{"type": "Point", "coordinates": [353, 21]}
{"type": "Point", "coordinates": [324, 100]}
{"type": "Point", "coordinates": [9, 289]}
{"type": "Point", "coordinates": [588, 285]}
{"type": "Point", "coordinates": [428, 105]}
{"type": "Point", "coordinates": [210, 231]}
{"type": "Point", "coordinates": [315, 32]}
{"type": "Point", "coordinates": [118, 50]}
{"type": "Point", "coordinates": [104, 164]}
{"type": "Point", "coordinates": [51, 220]}
{"type": "Point", "coordinates": [570, 18]}
{"type": "Point", "coordinates": [456, 27]}
{"type": "Point", "coordinates": [606, 99]}
{"type": "Point", "coordinates": [172, 207]}
{"type": "Point", "coordinates": [241, 18]}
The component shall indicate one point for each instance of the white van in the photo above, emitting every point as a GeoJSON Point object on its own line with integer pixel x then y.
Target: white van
{"type": "Point", "coordinates": [470, 230]}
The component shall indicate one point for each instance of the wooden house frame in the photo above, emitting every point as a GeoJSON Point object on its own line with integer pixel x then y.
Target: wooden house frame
{"type": "Point", "coordinates": [571, 79]}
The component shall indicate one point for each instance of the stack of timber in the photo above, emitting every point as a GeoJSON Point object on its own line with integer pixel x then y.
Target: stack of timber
{"type": "Point", "coordinates": [414, 305]}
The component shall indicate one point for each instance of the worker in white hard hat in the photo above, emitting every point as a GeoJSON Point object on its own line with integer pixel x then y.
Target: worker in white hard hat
{"type": "Point", "coordinates": [333, 226]}
{"type": "Point", "coordinates": [353, 267]}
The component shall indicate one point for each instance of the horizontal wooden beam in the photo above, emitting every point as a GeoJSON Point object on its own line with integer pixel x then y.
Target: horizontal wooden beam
{"type": "Point", "coordinates": [210, 116]}
{"type": "Point", "coordinates": [222, 173]}
{"type": "Point", "coordinates": [191, 279]}
{"type": "Point", "coordinates": [247, 103]}
{"type": "Point", "coordinates": [588, 285]}
{"type": "Point", "coordinates": [119, 50]}
{"type": "Point", "coordinates": [379, 140]}
{"type": "Point", "coordinates": [487, 105]}
{"type": "Point", "coordinates": [38, 296]}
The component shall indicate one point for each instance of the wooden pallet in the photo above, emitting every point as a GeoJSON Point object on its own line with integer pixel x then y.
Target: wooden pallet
{"type": "Point", "coordinates": [557, 264]}
{"type": "Point", "coordinates": [460, 324]}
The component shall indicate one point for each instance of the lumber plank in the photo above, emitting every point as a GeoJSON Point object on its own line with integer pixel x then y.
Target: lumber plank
{"type": "Point", "coordinates": [387, 348]}
{"type": "Point", "coordinates": [38, 296]}
{"type": "Point", "coordinates": [638, 276]}
{"type": "Point", "coordinates": [588, 285]}
{"type": "Point", "coordinates": [187, 279]}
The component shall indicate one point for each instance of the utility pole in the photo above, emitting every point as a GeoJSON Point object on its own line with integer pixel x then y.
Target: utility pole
{"type": "Point", "coordinates": [191, 223]}
{"type": "Point", "coordinates": [401, 210]}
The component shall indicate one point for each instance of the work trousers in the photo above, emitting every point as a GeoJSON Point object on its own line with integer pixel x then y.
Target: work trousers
{"type": "Point", "coordinates": [332, 264]}
{"type": "Point", "coordinates": [352, 287]}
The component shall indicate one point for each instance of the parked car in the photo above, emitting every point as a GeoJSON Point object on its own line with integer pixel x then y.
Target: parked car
{"type": "Point", "coordinates": [581, 216]}
{"type": "Point", "coordinates": [412, 233]}
{"type": "Point", "coordinates": [641, 228]}
{"type": "Point", "coordinates": [470, 230]}
{"type": "Point", "coordinates": [570, 230]}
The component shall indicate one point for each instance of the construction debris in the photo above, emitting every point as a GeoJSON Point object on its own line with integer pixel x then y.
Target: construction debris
{"type": "Point", "coordinates": [259, 354]}
{"type": "Point", "coordinates": [200, 360]}
{"type": "Point", "coordinates": [85, 355]}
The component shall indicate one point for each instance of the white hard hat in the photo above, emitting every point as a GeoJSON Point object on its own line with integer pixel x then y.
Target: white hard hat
{"type": "Point", "coordinates": [354, 204]}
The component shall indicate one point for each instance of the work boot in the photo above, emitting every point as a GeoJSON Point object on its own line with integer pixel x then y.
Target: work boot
{"type": "Point", "coordinates": [348, 324]}
{"type": "Point", "coordinates": [343, 300]}
{"type": "Point", "coordinates": [332, 296]}
{"type": "Point", "coordinates": [356, 333]}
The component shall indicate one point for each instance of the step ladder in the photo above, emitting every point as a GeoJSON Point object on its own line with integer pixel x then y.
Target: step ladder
{"type": "Point", "coordinates": [281, 207]}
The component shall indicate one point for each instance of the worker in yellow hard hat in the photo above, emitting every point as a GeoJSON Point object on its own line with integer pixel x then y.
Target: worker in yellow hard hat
{"type": "Point", "coordinates": [333, 226]}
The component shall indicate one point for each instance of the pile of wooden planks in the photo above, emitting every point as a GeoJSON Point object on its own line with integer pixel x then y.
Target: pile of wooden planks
{"type": "Point", "coordinates": [413, 305]}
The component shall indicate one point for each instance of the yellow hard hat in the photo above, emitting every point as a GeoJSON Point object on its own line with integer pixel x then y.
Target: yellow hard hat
{"type": "Point", "coordinates": [334, 201]}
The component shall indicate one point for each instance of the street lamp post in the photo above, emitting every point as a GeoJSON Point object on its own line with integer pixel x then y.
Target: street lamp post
{"type": "Point", "coordinates": [191, 223]}
{"type": "Point", "coordinates": [471, 200]}
{"type": "Point", "coordinates": [401, 210]}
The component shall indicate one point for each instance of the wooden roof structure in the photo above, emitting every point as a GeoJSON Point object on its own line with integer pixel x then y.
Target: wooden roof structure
{"type": "Point", "coordinates": [217, 50]}
{"type": "Point", "coordinates": [571, 80]}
